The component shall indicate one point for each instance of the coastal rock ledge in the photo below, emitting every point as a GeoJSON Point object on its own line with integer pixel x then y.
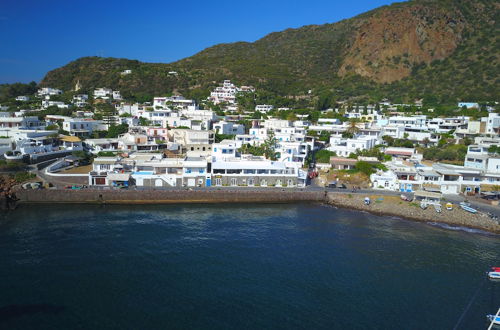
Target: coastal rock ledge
{"type": "Point", "coordinates": [394, 206]}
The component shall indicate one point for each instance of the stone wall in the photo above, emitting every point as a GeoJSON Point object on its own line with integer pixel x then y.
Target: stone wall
{"type": "Point", "coordinates": [222, 195]}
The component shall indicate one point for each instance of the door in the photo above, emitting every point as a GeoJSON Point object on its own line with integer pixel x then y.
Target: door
{"type": "Point", "coordinates": [218, 182]}
{"type": "Point", "coordinates": [409, 187]}
{"type": "Point", "coordinates": [191, 182]}
{"type": "Point", "coordinates": [208, 183]}
{"type": "Point", "coordinates": [158, 182]}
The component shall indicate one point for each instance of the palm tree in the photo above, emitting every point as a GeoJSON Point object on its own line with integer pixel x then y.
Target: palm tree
{"type": "Point", "coordinates": [353, 128]}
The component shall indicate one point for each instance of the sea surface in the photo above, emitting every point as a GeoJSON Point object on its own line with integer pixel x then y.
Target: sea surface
{"type": "Point", "coordinates": [298, 266]}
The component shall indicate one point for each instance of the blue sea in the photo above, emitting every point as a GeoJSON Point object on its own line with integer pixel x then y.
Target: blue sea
{"type": "Point", "coordinates": [243, 266]}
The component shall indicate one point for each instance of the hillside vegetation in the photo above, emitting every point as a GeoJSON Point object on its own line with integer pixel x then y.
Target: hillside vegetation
{"type": "Point", "coordinates": [439, 50]}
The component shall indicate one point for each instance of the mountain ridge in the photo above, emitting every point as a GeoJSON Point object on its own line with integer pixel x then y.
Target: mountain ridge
{"type": "Point", "coordinates": [439, 50]}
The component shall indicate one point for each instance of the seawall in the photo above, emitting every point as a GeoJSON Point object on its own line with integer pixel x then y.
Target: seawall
{"type": "Point", "coordinates": [166, 196]}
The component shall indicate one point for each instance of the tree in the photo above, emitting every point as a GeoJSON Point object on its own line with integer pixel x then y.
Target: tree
{"type": "Point", "coordinates": [323, 156]}
{"type": "Point", "coordinates": [291, 117]}
{"type": "Point", "coordinates": [115, 130]}
{"type": "Point", "coordinates": [353, 128]}
{"type": "Point", "coordinates": [494, 149]}
{"type": "Point", "coordinates": [365, 167]}
{"type": "Point", "coordinates": [269, 146]}
{"type": "Point", "coordinates": [220, 137]}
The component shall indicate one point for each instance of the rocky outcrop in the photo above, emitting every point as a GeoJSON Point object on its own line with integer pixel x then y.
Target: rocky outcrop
{"type": "Point", "coordinates": [394, 206]}
{"type": "Point", "coordinates": [390, 43]}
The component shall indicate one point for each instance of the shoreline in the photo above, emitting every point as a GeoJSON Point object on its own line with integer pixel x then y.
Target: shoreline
{"type": "Point", "coordinates": [382, 205]}
{"type": "Point", "coordinates": [393, 206]}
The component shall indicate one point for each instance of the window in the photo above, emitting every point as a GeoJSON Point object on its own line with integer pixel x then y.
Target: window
{"type": "Point", "coordinates": [234, 181]}
{"type": "Point", "coordinates": [218, 181]}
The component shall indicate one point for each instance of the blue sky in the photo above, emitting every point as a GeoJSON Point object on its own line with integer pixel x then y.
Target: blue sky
{"type": "Point", "coordinates": [37, 36]}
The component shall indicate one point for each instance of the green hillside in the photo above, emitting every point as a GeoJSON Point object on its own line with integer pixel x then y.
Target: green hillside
{"type": "Point", "coordinates": [442, 51]}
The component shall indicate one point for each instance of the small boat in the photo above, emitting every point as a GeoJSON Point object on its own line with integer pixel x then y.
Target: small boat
{"type": "Point", "coordinates": [423, 205]}
{"type": "Point", "coordinates": [437, 207]}
{"type": "Point", "coordinates": [494, 319]}
{"type": "Point", "coordinates": [367, 201]}
{"type": "Point", "coordinates": [405, 198]}
{"type": "Point", "coordinates": [494, 273]}
{"type": "Point", "coordinates": [466, 207]}
{"type": "Point", "coordinates": [449, 206]}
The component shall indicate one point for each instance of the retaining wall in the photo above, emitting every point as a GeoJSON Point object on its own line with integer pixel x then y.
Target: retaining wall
{"type": "Point", "coordinates": [169, 196]}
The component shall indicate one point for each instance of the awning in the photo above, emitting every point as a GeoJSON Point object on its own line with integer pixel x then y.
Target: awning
{"type": "Point", "coordinates": [119, 176]}
{"type": "Point", "coordinates": [70, 139]}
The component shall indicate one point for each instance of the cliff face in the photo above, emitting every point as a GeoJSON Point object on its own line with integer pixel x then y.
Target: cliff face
{"type": "Point", "coordinates": [392, 41]}
{"type": "Point", "coordinates": [417, 48]}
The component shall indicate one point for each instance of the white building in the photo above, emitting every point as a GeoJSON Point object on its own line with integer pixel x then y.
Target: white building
{"type": "Point", "coordinates": [227, 93]}
{"type": "Point", "coordinates": [49, 91]}
{"type": "Point", "coordinates": [22, 98]}
{"type": "Point", "coordinates": [228, 128]}
{"type": "Point", "coordinates": [345, 146]}
{"type": "Point", "coordinates": [117, 96]}
{"type": "Point", "coordinates": [59, 104]}
{"type": "Point", "coordinates": [104, 93]}
{"type": "Point", "coordinates": [174, 103]}
{"type": "Point", "coordinates": [414, 121]}
{"type": "Point", "coordinates": [231, 169]}
{"type": "Point", "coordinates": [82, 126]}
{"type": "Point", "coordinates": [30, 122]}
{"type": "Point", "coordinates": [493, 124]}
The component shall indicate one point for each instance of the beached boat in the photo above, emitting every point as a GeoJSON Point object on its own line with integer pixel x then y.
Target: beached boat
{"type": "Point", "coordinates": [494, 273]}
{"type": "Point", "coordinates": [449, 206]}
{"type": "Point", "coordinates": [466, 207]}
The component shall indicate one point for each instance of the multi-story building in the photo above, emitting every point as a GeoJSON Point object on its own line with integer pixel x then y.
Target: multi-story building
{"type": "Point", "coordinates": [174, 103]}
{"type": "Point", "coordinates": [345, 146]}
{"type": "Point", "coordinates": [229, 128]}
{"type": "Point", "coordinates": [82, 126]}
{"type": "Point", "coordinates": [493, 124]}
